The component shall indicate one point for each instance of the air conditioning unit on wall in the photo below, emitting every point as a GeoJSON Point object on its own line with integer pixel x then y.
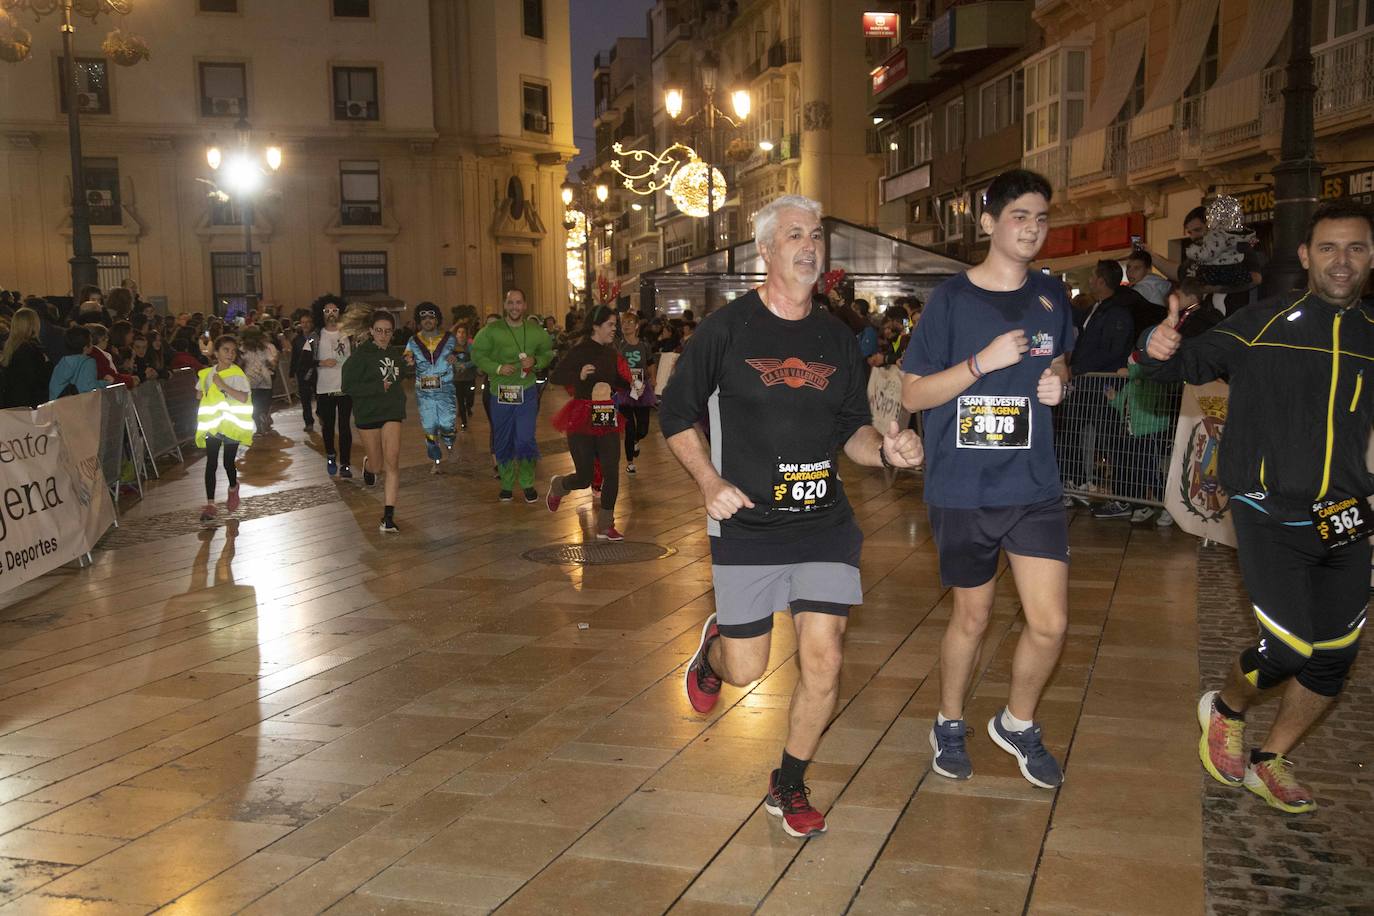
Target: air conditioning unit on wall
{"type": "Point", "coordinates": [225, 106]}
{"type": "Point", "coordinates": [88, 101]}
{"type": "Point", "coordinates": [99, 197]}
{"type": "Point", "coordinates": [355, 110]}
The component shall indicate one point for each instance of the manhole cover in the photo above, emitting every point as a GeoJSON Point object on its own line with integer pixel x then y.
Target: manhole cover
{"type": "Point", "coordinates": [598, 553]}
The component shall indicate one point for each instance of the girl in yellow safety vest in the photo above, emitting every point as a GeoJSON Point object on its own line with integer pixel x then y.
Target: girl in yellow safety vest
{"type": "Point", "coordinates": [224, 421]}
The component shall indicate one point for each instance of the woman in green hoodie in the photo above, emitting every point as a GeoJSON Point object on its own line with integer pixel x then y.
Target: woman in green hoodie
{"type": "Point", "coordinates": [372, 378]}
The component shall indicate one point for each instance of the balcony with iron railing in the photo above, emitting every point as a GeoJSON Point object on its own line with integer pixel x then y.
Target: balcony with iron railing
{"type": "Point", "coordinates": [1165, 141]}
{"type": "Point", "coordinates": [1097, 160]}
{"type": "Point", "coordinates": [1239, 114]}
{"type": "Point", "coordinates": [1053, 163]}
{"type": "Point", "coordinates": [786, 150]}
{"type": "Point", "coordinates": [1345, 81]}
{"type": "Point", "coordinates": [784, 52]}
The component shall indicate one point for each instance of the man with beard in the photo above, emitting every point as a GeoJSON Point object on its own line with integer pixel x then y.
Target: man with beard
{"type": "Point", "coordinates": [510, 351]}
{"type": "Point", "coordinates": [783, 385]}
{"type": "Point", "coordinates": [986, 364]}
{"type": "Point", "coordinates": [1293, 457]}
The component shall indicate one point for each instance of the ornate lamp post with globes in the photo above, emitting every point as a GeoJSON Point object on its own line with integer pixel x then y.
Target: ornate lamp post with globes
{"type": "Point", "coordinates": [125, 50]}
{"type": "Point", "coordinates": [583, 201]}
{"type": "Point", "coordinates": [241, 175]}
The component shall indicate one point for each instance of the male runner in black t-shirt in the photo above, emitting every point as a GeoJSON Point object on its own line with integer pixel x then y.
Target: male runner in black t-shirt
{"type": "Point", "coordinates": [986, 364]}
{"type": "Point", "coordinates": [783, 385]}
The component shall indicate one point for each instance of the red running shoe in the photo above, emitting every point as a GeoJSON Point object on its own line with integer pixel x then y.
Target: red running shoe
{"type": "Point", "coordinates": [232, 503]}
{"type": "Point", "coordinates": [610, 534]}
{"type": "Point", "coordinates": [552, 500]}
{"type": "Point", "coordinates": [703, 689]}
{"type": "Point", "coordinates": [790, 803]}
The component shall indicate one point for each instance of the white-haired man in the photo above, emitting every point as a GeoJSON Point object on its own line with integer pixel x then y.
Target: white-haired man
{"type": "Point", "coordinates": [783, 385]}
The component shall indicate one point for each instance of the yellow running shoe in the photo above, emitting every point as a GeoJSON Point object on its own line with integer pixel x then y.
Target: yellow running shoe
{"type": "Point", "coordinates": [1222, 747]}
{"type": "Point", "coordinates": [1273, 781]}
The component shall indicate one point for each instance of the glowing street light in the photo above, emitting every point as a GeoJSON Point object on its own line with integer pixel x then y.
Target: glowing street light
{"type": "Point", "coordinates": [672, 102]}
{"type": "Point", "coordinates": [741, 101]}
{"type": "Point", "coordinates": [214, 157]}
{"type": "Point", "coordinates": [602, 192]}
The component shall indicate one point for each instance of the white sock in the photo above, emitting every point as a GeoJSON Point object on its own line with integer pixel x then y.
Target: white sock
{"type": "Point", "coordinates": [940, 719]}
{"type": "Point", "coordinates": [1013, 724]}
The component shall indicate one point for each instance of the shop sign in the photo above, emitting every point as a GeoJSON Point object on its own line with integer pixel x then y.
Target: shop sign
{"type": "Point", "coordinates": [1258, 205]}
{"type": "Point", "coordinates": [880, 25]}
{"type": "Point", "coordinates": [890, 71]}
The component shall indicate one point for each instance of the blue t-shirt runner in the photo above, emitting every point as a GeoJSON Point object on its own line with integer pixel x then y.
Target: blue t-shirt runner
{"type": "Point", "coordinates": [986, 364]}
{"type": "Point", "coordinates": [992, 445]}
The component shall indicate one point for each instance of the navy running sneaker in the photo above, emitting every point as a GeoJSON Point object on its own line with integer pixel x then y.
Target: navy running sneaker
{"type": "Point", "coordinates": [346, 472]}
{"type": "Point", "coordinates": [1039, 768]}
{"type": "Point", "coordinates": [951, 754]}
{"type": "Point", "coordinates": [331, 465]}
{"type": "Point", "coordinates": [432, 450]}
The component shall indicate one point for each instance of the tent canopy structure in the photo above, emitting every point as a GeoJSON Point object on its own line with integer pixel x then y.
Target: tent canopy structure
{"type": "Point", "coordinates": [881, 267]}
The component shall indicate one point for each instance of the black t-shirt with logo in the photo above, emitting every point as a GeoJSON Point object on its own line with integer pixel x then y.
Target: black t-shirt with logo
{"type": "Point", "coordinates": [782, 397]}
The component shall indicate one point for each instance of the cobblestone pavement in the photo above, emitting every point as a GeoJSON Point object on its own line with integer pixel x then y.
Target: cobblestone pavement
{"type": "Point", "coordinates": [1262, 861]}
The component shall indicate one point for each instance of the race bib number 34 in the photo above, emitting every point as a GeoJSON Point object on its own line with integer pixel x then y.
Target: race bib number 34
{"type": "Point", "coordinates": [803, 486]}
{"type": "Point", "coordinates": [994, 422]}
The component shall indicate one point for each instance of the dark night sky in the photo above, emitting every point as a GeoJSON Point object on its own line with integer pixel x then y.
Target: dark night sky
{"type": "Point", "coordinates": [596, 24]}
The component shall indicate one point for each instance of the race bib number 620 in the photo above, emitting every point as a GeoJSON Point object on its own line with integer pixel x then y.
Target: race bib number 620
{"type": "Point", "coordinates": [994, 422]}
{"type": "Point", "coordinates": [803, 486]}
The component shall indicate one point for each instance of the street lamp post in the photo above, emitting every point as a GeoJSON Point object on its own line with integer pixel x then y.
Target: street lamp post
{"type": "Point", "coordinates": [740, 101]}
{"type": "Point", "coordinates": [242, 173]}
{"type": "Point", "coordinates": [83, 263]}
{"type": "Point", "coordinates": [588, 198]}
{"type": "Point", "coordinates": [1297, 177]}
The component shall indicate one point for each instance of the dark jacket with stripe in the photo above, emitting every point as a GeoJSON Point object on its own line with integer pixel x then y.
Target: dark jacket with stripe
{"type": "Point", "coordinates": [1298, 423]}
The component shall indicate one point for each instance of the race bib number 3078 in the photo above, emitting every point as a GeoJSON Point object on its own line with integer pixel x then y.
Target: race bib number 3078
{"type": "Point", "coordinates": [994, 422]}
{"type": "Point", "coordinates": [803, 486]}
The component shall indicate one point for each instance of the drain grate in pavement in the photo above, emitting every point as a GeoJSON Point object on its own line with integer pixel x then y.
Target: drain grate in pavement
{"type": "Point", "coordinates": [598, 553]}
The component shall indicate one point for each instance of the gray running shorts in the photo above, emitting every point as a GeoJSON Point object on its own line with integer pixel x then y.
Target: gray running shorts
{"type": "Point", "coordinates": [747, 596]}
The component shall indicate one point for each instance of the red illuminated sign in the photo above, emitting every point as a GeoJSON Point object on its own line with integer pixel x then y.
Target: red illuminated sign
{"type": "Point", "coordinates": [880, 25]}
{"type": "Point", "coordinates": [889, 71]}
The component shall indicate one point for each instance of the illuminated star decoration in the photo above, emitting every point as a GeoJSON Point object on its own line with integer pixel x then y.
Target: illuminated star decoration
{"type": "Point", "coordinates": [688, 180]}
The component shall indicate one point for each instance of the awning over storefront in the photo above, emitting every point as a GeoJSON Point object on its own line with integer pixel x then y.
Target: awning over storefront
{"type": "Point", "coordinates": [1187, 43]}
{"type": "Point", "coordinates": [1082, 259]}
{"type": "Point", "coordinates": [1266, 22]}
{"type": "Point", "coordinates": [1127, 47]}
{"type": "Point", "coordinates": [880, 266]}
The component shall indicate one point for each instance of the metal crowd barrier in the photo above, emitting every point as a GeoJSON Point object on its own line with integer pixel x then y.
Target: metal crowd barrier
{"type": "Point", "coordinates": [1114, 437]}
{"type": "Point", "coordinates": [140, 425]}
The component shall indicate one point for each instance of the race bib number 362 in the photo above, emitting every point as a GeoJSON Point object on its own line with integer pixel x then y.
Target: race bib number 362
{"type": "Point", "coordinates": [1342, 521]}
{"type": "Point", "coordinates": [803, 486]}
{"type": "Point", "coordinates": [994, 422]}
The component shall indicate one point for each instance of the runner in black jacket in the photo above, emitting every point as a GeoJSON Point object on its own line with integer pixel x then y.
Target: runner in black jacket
{"type": "Point", "coordinates": [1293, 460]}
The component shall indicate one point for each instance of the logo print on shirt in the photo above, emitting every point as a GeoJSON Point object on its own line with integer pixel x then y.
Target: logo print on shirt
{"type": "Point", "coordinates": [390, 371]}
{"type": "Point", "coordinates": [1046, 303]}
{"type": "Point", "coordinates": [793, 372]}
{"type": "Point", "coordinates": [1042, 344]}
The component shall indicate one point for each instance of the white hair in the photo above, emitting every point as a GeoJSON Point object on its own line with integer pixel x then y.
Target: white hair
{"type": "Point", "coordinates": [766, 220]}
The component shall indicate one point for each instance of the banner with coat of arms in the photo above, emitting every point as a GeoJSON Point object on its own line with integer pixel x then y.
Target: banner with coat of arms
{"type": "Point", "coordinates": [1193, 494]}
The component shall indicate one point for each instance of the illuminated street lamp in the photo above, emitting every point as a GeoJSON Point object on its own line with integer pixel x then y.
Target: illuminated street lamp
{"type": "Point", "coordinates": [241, 174]}
{"type": "Point", "coordinates": [583, 201]}
{"type": "Point", "coordinates": [125, 50]}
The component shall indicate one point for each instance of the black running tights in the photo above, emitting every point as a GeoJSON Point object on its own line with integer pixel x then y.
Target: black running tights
{"type": "Point", "coordinates": [212, 450]}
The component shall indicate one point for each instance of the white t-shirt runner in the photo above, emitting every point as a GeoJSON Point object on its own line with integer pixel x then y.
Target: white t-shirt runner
{"type": "Point", "coordinates": [333, 345]}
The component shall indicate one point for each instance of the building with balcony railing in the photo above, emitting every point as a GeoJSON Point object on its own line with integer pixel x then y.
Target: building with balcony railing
{"type": "Point", "coordinates": [1183, 98]}
{"type": "Point", "coordinates": [802, 134]}
{"type": "Point", "coordinates": [423, 152]}
{"type": "Point", "coordinates": [948, 103]}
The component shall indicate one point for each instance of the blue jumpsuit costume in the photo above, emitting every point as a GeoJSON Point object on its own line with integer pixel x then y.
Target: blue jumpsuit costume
{"type": "Point", "coordinates": [435, 392]}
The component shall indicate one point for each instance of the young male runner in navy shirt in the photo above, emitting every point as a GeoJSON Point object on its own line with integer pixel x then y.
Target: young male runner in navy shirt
{"type": "Point", "coordinates": [986, 364]}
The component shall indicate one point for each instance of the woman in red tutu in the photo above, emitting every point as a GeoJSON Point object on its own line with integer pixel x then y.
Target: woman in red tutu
{"type": "Point", "coordinates": [592, 371]}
